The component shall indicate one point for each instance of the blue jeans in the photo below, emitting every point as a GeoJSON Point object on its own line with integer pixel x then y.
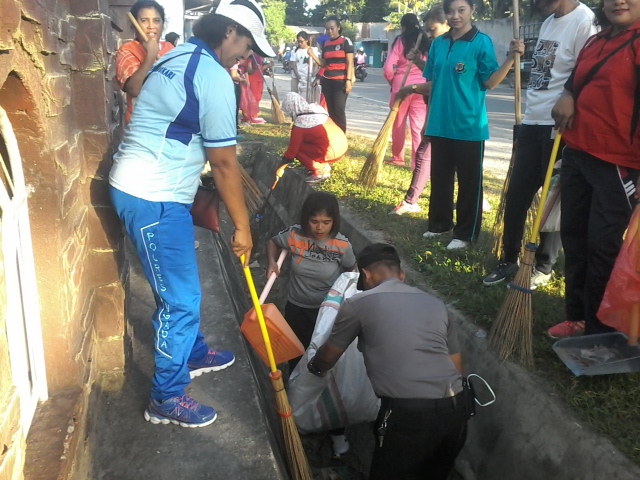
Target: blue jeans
{"type": "Point", "coordinates": [163, 235]}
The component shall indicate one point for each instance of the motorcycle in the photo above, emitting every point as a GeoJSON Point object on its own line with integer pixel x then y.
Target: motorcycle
{"type": "Point", "coordinates": [267, 69]}
{"type": "Point", "coordinates": [286, 66]}
{"type": "Point", "coordinates": [361, 72]}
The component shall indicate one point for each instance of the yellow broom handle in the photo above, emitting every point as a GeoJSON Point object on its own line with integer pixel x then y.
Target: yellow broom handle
{"type": "Point", "coordinates": [545, 188]}
{"type": "Point", "coordinates": [258, 308]}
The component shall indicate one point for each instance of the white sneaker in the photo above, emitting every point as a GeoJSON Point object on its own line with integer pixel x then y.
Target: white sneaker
{"type": "Point", "coordinates": [457, 244]}
{"type": "Point", "coordinates": [340, 445]}
{"type": "Point", "coordinates": [405, 207]}
{"type": "Point", "coordinates": [432, 234]}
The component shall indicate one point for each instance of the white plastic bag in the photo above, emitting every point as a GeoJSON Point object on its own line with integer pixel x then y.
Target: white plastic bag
{"type": "Point", "coordinates": [551, 215]}
{"type": "Point", "coordinates": [344, 396]}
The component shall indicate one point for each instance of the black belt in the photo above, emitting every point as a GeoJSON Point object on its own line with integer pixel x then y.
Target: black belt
{"type": "Point", "coordinates": [447, 403]}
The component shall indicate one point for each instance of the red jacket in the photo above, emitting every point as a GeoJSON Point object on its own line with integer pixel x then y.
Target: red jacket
{"type": "Point", "coordinates": [322, 143]}
{"type": "Point", "coordinates": [607, 110]}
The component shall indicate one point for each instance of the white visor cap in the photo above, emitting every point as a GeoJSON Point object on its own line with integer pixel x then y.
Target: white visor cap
{"type": "Point", "coordinates": [248, 14]}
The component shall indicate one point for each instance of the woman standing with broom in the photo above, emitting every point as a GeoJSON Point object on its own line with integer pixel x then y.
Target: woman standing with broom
{"type": "Point", "coordinates": [598, 113]}
{"type": "Point", "coordinates": [185, 116]}
{"type": "Point", "coordinates": [460, 68]}
{"type": "Point", "coordinates": [338, 76]}
{"type": "Point", "coordinates": [414, 107]}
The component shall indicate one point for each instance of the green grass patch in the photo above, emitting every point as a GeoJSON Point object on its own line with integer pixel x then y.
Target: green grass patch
{"type": "Point", "coordinates": [608, 403]}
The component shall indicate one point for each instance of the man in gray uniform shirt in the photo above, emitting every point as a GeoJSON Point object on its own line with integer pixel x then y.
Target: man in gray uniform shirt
{"type": "Point", "coordinates": [413, 361]}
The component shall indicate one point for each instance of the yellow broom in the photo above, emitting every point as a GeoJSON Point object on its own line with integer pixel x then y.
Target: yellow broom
{"type": "Point", "coordinates": [369, 173]}
{"type": "Point", "coordinates": [276, 111]}
{"type": "Point", "coordinates": [511, 332]}
{"type": "Point", "coordinates": [296, 457]}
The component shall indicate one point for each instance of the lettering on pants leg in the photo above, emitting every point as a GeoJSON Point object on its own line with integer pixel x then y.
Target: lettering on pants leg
{"type": "Point", "coordinates": [164, 313]}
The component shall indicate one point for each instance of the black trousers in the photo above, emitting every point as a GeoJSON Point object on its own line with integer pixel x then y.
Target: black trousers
{"type": "Point", "coordinates": [529, 169]}
{"type": "Point", "coordinates": [597, 201]}
{"type": "Point", "coordinates": [448, 158]}
{"type": "Point", "coordinates": [420, 443]}
{"type": "Point", "coordinates": [238, 91]}
{"type": "Point", "coordinates": [302, 321]}
{"type": "Point", "coordinates": [336, 97]}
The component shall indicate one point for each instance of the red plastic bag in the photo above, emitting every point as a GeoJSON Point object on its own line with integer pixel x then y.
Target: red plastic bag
{"type": "Point", "coordinates": [248, 104]}
{"type": "Point", "coordinates": [623, 289]}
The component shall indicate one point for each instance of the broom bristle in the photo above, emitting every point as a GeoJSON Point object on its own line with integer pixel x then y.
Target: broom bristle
{"type": "Point", "coordinates": [253, 196]}
{"type": "Point", "coordinates": [510, 334]}
{"type": "Point", "coordinates": [369, 173]}
{"type": "Point", "coordinates": [296, 456]}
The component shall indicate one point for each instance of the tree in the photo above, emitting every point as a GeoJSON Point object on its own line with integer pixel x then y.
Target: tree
{"type": "Point", "coordinates": [275, 12]}
{"type": "Point", "coordinates": [350, 10]}
{"type": "Point", "coordinates": [296, 13]}
{"type": "Point", "coordinates": [400, 8]}
{"type": "Point", "coordinates": [375, 10]}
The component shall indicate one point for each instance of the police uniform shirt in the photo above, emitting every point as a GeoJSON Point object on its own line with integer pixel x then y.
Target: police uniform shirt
{"type": "Point", "coordinates": [459, 70]}
{"type": "Point", "coordinates": [406, 338]}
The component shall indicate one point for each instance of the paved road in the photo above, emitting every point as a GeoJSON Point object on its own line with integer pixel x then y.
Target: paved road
{"type": "Point", "coordinates": [368, 106]}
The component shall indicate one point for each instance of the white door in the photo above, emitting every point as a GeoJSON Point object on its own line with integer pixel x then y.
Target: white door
{"type": "Point", "coordinates": [24, 329]}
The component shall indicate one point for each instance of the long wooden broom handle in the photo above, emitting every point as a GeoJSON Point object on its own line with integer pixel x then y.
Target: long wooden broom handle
{"type": "Point", "coordinates": [545, 188]}
{"type": "Point", "coordinates": [635, 309]}
{"type": "Point", "coordinates": [411, 62]}
{"type": "Point", "coordinates": [138, 27]}
{"type": "Point", "coordinates": [516, 67]}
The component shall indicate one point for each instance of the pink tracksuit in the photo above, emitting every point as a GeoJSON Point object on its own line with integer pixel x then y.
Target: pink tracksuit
{"type": "Point", "coordinates": [412, 107]}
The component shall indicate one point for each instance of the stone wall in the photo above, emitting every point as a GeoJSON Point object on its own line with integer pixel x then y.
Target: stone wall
{"type": "Point", "coordinates": [56, 66]}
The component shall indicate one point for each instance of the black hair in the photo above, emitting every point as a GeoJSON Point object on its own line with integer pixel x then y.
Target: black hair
{"type": "Point", "coordinates": [435, 15]}
{"type": "Point", "coordinates": [446, 4]}
{"type": "Point", "coordinates": [212, 29]}
{"type": "Point", "coordinates": [387, 264]}
{"type": "Point", "coordinates": [172, 37]}
{"type": "Point", "coordinates": [317, 203]}
{"type": "Point", "coordinates": [411, 25]}
{"type": "Point", "coordinates": [601, 19]}
{"type": "Point", "coordinates": [334, 18]}
{"type": "Point", "coordinates": [142, 4]}
{"type": "Point", "coordinates": [304, 35]}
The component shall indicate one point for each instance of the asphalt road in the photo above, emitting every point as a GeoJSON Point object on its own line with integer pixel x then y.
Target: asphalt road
{"type": "Point", "coordinates": [368, 107]}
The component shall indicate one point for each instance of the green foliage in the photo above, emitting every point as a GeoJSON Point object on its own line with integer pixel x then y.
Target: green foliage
{"type": "Point", "coordinates": [345, 9]}
{"type": "Point", "coordinates": [296, 13]}
{"type": "Point", "coordinates": [375, 11]}
{"type": "Point", "coordinates": [275, 13]}
{"type": "Point", "coordinates": [349, 30]}
{"type": "Point", "coordinates": [400, 8]}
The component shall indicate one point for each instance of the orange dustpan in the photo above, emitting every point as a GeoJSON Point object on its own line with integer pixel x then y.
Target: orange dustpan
{"type": "Point", "coordinates": [284, 342]}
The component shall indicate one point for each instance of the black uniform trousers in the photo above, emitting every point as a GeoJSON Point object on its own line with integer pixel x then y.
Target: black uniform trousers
{"type": "Point", "coordinates": [597, 202]}
{"type": "Point", "coordinates": [302, 321]}
{"type": "Point", "coordinates": [533, 152]}
{"type": "Point", "coordinates": [448, 159]}
{"type": "Point", "coordinates": [421, 442]}
{"type": "Point", "coordinates": [336, 97]}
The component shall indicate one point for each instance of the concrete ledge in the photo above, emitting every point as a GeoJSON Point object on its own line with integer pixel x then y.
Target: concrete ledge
{"type": "Point", "coordinates": [527, 434]}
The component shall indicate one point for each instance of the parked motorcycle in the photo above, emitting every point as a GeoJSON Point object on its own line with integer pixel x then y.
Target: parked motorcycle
{"type": "Point", "coordinates": [286, 66]}
{"type": "Point", "coordinates": [267, 69]}
{"type": "Point", "coordinates": [361, 72]}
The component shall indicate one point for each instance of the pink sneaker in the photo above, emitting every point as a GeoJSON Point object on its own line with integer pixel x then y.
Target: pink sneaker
{"type": "Point", "coordinates": [258, 121]}
{"type": "Point", "coordinates": [566, 329]}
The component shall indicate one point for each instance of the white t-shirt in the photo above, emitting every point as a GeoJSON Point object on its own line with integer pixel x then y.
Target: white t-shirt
{"type": "Point", "coordinates": [301, 57]}
{"type": "Point", "coordinates": [559, 43]}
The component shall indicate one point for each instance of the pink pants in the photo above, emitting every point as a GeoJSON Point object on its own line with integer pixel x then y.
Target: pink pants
{"type": "Point", "coordinates": [413, 107]}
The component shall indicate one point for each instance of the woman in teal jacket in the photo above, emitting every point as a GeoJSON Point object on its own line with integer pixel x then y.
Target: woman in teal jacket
{"type": "Point", "coordinates": [461, 67]}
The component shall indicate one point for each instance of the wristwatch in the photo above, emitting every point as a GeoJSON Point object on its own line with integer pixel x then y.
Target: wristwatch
{"type": "Point", "coordinates": [315, 370]}
{"type": "Point", "coordinates": [414, 87]}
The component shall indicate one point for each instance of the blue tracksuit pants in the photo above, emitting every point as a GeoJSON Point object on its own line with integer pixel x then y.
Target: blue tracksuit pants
{"type": "Point", "coordinates": [163, 235]}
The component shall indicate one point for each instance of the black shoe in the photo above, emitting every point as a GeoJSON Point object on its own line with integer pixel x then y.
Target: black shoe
{"type": "Point", "coordinates": [500, 273]}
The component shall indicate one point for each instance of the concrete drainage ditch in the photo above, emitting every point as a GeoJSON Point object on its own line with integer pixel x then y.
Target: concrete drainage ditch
{"type": "Point", "coordinates": [526, 434]}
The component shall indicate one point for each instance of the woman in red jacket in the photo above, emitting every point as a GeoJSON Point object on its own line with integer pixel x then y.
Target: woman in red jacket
{"type": "Point", "coordinates": [598, 113]}
{"type": "Point", "coordinates": [316, 141]}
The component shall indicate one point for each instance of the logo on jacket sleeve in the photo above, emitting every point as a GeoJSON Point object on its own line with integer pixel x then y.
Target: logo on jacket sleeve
{"type": "Point", "coordinates": [461, 67]}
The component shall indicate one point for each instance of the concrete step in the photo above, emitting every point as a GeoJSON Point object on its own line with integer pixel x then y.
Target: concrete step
{"type": "Point", "coordinates": [239, 445]}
